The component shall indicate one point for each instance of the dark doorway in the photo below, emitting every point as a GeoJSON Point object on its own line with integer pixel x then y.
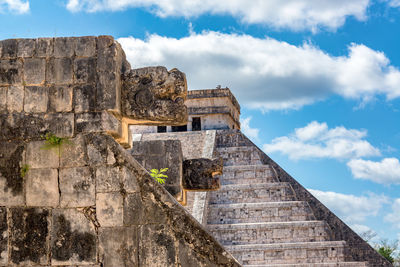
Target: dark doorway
{"type": "Point", "coordinates": [196, 124]}
{"type": "Point", "coordinates": [182, 128]}
{"type": "Point", "coordinates": [161, 129]}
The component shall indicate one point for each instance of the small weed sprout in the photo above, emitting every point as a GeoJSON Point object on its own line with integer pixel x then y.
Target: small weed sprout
{"type": "Point", "coordinates": [159, 175]}
{"type": "Point", "coordinates": [24, 170]}
{"type": "Point", "coordinates": [54, 142]}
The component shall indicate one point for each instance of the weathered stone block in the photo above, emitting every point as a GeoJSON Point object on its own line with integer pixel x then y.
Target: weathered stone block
{"type": "Point", "coordinates": [198, 174]}
{"type": "Point", "coordinates": [133, 209]}
{"type": "Point", "coordinates": [11, 182]}
{"type": "Point", "coordinates": [129, 178]}
{"type": "Point", "coordinates": [15, 98]}
{"type": "Point", "coordinates": [85, 70]}
{"type": "Point", "coordinates": [3, 98]}
{"type": "Point", "coordinates": [60, 98]}
{"type": "Point", "coordinates": [108, 179]}
{"type": "Point", "coordinates": [108, 91]}
{"type": "Point", "coordinates": [85, 46]}
{"type": "Point", "coordinates": [38, 156]}
{"type": "Point", "coordinates": [59, 71]}
{"type": "Point", "coordinates": [73, 153]}
{"type": "Point", "coordinates": [10, 48]}
{"type": "Point", "coordinates": [109, 208]}
{"type": "Point", "coordinates": [118, 247]}
{"type": "Point", "coordinates": [60, 124]}
{"type": "Point", "coordinates": [64, 47]}
{"type": "Point", "coordinates": [85, 98]}
{"type": "Point", "coordinates": [44, 47]}
{"type": "Point", "coordinates": [42, 188]}
{"type": "Point", "coordinates": [97, 122]}
{"type": "Point", "coordinates": [77, 187]}
{"type": "Point", "coordinates": [157, 246]}
{"type": "Point", "coordinates": [10, 71]}
{"type": "Point", "coordinates": [3, 237]}
{"type": "Point", "coordinates": [36, 99]}
{"type": "Point", "coordinates": [26, 47]}
{"type": "Point", "coordinates": [160, 154]}
{"type": "Point", "coordinates": [73, 238]}
{"type": "Point", "coordinates": [153, 212]}
{"type": "Point", "coordinates": [107, 54]}
{"type": "Point", "coordinates": [29, 236]}
{"type": "Point", "coordinates": [34, 70]}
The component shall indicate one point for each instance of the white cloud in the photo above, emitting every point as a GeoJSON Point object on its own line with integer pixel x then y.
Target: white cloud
{"type": "Point", "coordinates": [394, 217]}
{"type": "Point", "coordinates": [386, 171]}
{"type": "Point", "coordinates": [394, 3]}
{"type": "Point", "coordinates": [316, 140]}
{"type": "Point", "coordinates": [351, 209]}
{"type": "Point", "coordinates": [268, 74]}
{"type": "Point", "coordinates": [15, 6]}
{"type": "Point", "coordinates": [292, 14]}
{"type": "Point", "coordinates": [248, 130]}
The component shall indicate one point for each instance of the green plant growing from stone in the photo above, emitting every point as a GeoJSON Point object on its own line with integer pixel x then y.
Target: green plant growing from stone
{"type": "Point", "coordinates": [159, 175]}
{"type": "Point", "coordinates": [24, 170]}
{"type": "Point", "coordinates": [54, 142]}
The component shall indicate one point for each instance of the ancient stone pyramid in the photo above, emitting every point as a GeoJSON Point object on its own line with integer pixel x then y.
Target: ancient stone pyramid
{"type": "Point", "coordinates": [266, 218]}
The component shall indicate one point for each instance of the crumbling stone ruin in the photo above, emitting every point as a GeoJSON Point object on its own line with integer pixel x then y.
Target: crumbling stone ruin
{"type": "Point", "coordinates": [80, 198]}
{"type": "Point", "coordinates": [74, 183]}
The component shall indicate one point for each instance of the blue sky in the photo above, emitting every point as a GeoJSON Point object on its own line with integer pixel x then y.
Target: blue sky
{"type": "Point", "coordinates": [318, 80]}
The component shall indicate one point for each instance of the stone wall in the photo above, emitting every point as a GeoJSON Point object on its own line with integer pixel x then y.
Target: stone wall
{"type": "Point", "coordinates": [159, 154]}
{"type": "Point", "coordinates": [83, 200]}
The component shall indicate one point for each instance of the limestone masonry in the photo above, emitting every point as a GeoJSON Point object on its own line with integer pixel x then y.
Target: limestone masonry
{"type": "Point", "coordinates": [87, 201]}
{"type": "Point", "coordinates": [84, 196]}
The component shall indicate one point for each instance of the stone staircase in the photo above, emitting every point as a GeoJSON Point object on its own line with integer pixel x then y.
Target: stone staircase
{"type": "Point", "coordinates": [262, 223]}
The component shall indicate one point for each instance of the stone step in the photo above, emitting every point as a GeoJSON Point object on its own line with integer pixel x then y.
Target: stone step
{"type": "Point", "coordinates": [270, 232]}
{"type": "Point", "coordinates": [252, 193]}
{"type": "Point", "coordinates": [290, 253]}
{"type": "Point", "coordinates": [242, 155]}
{"type": "Point", "coordinates": [259, 212]}
{"type": "Point", "coordinates": [322, 264]}
{"type": "Point", "coordinates": [250, 174]}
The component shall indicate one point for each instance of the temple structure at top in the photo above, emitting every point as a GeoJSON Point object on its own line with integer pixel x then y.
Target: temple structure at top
{"type": "Point", "coordinates": [208, 109]}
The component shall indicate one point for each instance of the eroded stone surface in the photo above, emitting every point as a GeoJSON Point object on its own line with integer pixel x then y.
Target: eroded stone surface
{"type": "Point", "coordinates": [29, 236]}
{"type": "Point", "coordinates": [40, 155]}
{"type": "Point", "coordinates": [34, 70]}
{"type": "Point", "coordinates": [159, 154]}
{"type": "Point", "coordinates": [109, 207]}
{"type": "Point", "coordinates": [42, 188]}
{"type": "Point", "coordinates": [60, 98]}
{"type": "Point", "coordinates": [198, 174]}
{"type": "Point", "coordinates": [118, 246]}
{"type": "Point", "coordinates": [3, 237]}
{"type": "Point", "coordinates": [77, 187]}
{"type": "Point", "coordinates": [15, 98]}
{"type": "Point", "coordinates": [11, 161]}
{"type": "Point", "coordinates": [73, 238]}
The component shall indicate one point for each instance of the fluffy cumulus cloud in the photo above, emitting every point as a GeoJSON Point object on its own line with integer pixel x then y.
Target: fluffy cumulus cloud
{"type": "Point", "coordinates": [317, 140]}
{"type": "Point", "coordinates": [268, 74]}
{"type": "Point", "coordinates": [15, 6]}
{"type": "Point", "coordinates": [386, 171]}
{"type": "Point", "coordinates": [248, 130]}
{"type": "Point", "coordinates": [292, 14]}
{"type": "Point", "coordinates": [394, 216]}
{"type": "Point", "coordinates": [352, 209]}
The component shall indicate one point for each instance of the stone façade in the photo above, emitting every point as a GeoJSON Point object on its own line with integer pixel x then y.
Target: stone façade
{"type": "Point", "coordinates": [88, 202]}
